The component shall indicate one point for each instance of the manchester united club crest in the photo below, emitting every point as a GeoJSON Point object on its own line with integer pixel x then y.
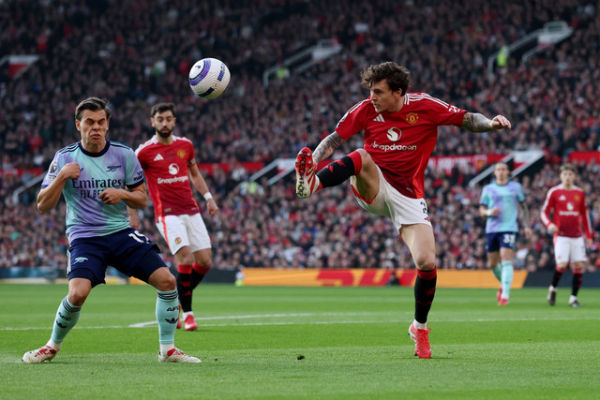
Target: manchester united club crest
{"type": "Point", "coordinates": [412, 118]}
{"type": "Point", "coordinates": [181, 153]}
{"type": "Point", "coordinates": [177, 240]}
{"type": "Point", "coordinates": [577, 198]}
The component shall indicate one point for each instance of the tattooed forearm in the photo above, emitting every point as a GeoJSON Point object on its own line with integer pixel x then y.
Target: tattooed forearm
{"type": "Point", "coordinates": [476, 122]}
{"type": "Point", "coordinates": [327, 147]}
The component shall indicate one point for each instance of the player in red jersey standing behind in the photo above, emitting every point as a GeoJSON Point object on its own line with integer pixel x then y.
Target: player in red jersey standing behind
{"type": "Point", "coordinates": [567, 204]}
{"type": "Point", "coordinates": [169, 164]}
{"type": "Point", "coordinates": [387, 175]}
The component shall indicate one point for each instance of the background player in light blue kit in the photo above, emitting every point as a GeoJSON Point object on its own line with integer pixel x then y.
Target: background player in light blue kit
{"type": "Point", "coordinates": [98, 180]}
{"type": "Point", "coordinates": [502, 203]}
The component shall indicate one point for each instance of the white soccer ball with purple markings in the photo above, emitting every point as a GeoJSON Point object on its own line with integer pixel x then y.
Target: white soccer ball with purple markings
{"type": "Point", "coordinates": [209, 78]}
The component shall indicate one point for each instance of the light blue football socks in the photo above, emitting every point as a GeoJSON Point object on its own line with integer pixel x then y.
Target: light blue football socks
{"type": "Point", "coordinates": [497, 271]}
{"type": "Point", "coordinates": [66, 318]}
{"type": "Point", "coordinates": [507, 278]}
{"type": "Point", "coordinates": [167, 312]}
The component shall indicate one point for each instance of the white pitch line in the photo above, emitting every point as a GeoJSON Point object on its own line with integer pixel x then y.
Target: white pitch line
{"type": "Point", "coordinates": [256, 316]}
{"type": "Point", "coordinates": [317, 322]}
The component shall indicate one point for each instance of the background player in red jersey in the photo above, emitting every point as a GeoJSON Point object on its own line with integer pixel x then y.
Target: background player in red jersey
{"type": "Point", "coordinates": [169, 164]}
{"type": "Point", "coordinates": [566, 203]}
{"type": "Point", "coordinates": [387, 175]}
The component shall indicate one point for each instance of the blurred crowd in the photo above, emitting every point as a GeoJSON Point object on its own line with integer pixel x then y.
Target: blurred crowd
{"type": "Point", "coordinates": [136, 53]}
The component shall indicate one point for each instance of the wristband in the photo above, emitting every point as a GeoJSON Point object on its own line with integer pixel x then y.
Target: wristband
{"type": "Point", "coordinates": [488, 212]}
{"type": "Point", "coordinates": [207, 196]}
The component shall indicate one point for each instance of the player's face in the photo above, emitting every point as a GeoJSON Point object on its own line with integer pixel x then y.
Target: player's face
{"type": "Point", "coordinates": [501, 173]}
{"type": "Point", "coordinates": [93, 127]}
{"type": "Point", "coordinates": [567, 177]}
{"type": "Point", "coordinates": [163, 123]}
{"type": "Point", "coordinates": [383, 98]}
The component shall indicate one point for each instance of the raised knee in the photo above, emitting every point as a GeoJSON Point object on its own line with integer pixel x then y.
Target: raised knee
{"type": "Point", "coordinates": [77, 297]}
{"type": "Point", "coordinates": [165, 282]}
{"type": "Point", "coordinates": [364, 155]}
{"type": "Point", "coordinates": [425, 263]}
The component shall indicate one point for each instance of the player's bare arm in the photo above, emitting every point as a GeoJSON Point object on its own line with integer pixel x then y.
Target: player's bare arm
{"type": "Point", "coordinates": [524, 217]}
{"type": "Point", "coordinates": [134, 219]}
{"type": "Point", "coordinates": [200, 184]}
{"type": "Point", "coordinates": [477, 122]}
{"type": "Point", "coordinates": [327, 146]}
{"type": "Point", "coordinates": [134, 198]}
{"type": "Point", "coordinates": [523, 214]}
{"type": "Point", "coordinates": [49, 196]}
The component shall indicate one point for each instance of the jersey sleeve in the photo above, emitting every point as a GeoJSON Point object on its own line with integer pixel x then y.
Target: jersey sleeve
{"type": "Point", "coordinates": [134, 172]}
{"type": "Point", "coordinates": [53, 170]}
{"type": "Point", "coordinates": [192, 154]}
{"type": "Point", "coordinates": [520, 193]}
{"type": "Point", "coordinates": [140, 154]}
{"type": "Point", "coordinates": [585, 216]}
{"type": "Point", "coordinates": [353, 121]}
{"type": "Point", "coordinates": [443, 113]}
{"type": "Point", "coordinates": [546, 209]}
{"type": "Point", "coordinates": [485, 199]}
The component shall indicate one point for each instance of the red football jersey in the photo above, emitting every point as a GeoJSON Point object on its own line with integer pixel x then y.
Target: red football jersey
{"type": "Point", "coordinates": [400, 143]}
{"type": "Point", "coordinates": [166, 169]}
{"type": "Point", "coordinates": [569, 211]}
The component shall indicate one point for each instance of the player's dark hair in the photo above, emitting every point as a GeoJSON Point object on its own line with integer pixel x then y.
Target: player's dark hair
{"type": "Point", "coordinates": [161, 108]}
{"type": "Point", "coordinates": [92, 104]}
{"type": "Point", "coordinates": [397, 76]}
{"type": "Point", "coordinates": [568, 167]}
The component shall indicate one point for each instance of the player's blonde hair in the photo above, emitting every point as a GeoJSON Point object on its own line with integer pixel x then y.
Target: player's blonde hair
{"type": "Point", "coordinates": [568, 167]}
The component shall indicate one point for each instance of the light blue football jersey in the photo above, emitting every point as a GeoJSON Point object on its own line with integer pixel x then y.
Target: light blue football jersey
{"type": "Point", "coordinates": [114, 167]}
{"type": "Point", "coordinates": [507, 198]}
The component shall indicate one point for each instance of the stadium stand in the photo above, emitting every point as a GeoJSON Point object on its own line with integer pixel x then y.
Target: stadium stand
{"type": "Point", "coordinates": [135, 54]}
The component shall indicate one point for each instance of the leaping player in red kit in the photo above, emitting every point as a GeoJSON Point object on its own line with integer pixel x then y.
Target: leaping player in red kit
{"type": "Point", "coordinates": [387, 175]}
{"type": "Point", "coordinates": [169, 164]}
{"type": "Point", "coordinates": [567, 204]}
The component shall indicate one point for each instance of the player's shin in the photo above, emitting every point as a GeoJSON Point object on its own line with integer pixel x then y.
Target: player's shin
{"type": "Point", "coordinates": [577, 280]}
{"type": "Point", "coordinates": [185, 286]}
{"type": "Point", "coordinates": [497, 271]}
{"type": "Point", "coordinates": [424, 293]}
{"type": "Point", "coordinates": [198, 274]}
{"type": "Point", "coordinates": [340, 170]}
{"type": "Point", "coordinates": [67, 316]}
{"type": "Point", "coordinates": [167, 311]}
{"type": "Point", "coordinates": [507, 278]}
{"type": "Point", "coordinates": [558, 273]}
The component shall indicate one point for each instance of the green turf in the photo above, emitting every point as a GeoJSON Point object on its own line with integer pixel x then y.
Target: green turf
{"type": "Point", "coordinates": [353, 342]}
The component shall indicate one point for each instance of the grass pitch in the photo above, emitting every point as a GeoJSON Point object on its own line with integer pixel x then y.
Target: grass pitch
{"type": "Point", "coordinates": [305, 343]}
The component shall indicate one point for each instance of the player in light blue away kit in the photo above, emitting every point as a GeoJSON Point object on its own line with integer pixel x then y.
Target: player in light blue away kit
{"type": "Point", "coordinates": [98, 180]}
{"type": "Point", "coordinates": [502, 203]}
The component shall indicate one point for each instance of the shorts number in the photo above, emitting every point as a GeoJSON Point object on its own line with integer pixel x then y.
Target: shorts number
{"type": "Point", "coordinates": [138, 237]}
{"type": "Point", "coordinates": [509, 239]}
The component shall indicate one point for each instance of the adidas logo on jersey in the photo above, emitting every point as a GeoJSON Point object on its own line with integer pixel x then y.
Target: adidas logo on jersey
{"type": "Point", "coordinates": [158, 157]}
{"type": "Point", "coordinates": [379, 118]}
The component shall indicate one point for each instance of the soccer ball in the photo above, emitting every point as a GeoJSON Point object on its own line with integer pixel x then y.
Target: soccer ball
{"type": "Point", "coordinates": [209, 78]}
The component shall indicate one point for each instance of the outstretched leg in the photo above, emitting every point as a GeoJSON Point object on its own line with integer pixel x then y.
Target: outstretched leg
{"type": "Point", "coordinates": [358, 163]}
